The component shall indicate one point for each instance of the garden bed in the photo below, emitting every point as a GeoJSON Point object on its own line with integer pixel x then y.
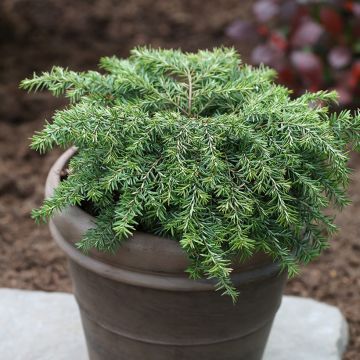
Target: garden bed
{"type": "Point", "coordinates": [28, 257]}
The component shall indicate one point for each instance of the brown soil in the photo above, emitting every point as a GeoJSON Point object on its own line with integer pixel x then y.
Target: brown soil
{"type": "Point", "coordinates": [34, 34]}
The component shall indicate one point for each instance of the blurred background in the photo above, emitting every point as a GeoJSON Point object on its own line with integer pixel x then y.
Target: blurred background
{"type": "Point", "coordinates": [312, 44]}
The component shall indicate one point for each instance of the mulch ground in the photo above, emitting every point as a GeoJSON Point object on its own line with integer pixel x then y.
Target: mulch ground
{"type": "Point", "coordinates": [34, 34]}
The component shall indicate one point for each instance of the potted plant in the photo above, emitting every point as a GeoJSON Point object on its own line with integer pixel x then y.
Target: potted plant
{"type": "Point", "coordinates": [186, 173]}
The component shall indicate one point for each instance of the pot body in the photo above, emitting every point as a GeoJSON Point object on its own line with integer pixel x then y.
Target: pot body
{"type": "Point", "coordinates": [140, 305]}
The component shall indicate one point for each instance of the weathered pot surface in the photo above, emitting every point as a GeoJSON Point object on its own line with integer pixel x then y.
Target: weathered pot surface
{"type": "Point", "coordinates": [139, 303]}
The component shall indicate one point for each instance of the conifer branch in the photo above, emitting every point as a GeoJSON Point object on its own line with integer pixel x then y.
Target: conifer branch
{"type": "Point", "coordinates": [202, 149]}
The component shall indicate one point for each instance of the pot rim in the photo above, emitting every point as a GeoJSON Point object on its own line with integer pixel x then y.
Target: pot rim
{"type": "Point", "coordinates": [138, 261]}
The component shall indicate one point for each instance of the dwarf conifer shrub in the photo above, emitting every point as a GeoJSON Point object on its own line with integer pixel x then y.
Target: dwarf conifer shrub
{"type": "Point", "coordinates": [201, 149]}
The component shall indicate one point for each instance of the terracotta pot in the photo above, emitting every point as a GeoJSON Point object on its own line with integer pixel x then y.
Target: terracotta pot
{"type": "Point", "coordinates": [140, 304]}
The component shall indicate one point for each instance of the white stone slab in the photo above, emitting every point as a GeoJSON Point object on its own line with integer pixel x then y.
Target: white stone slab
{"type": "Point", "coordinates": [305, 329]}
{"type": "Point", "coordinates": [46, 326]}
{"type": "Point", "coordinates": [36, 325]}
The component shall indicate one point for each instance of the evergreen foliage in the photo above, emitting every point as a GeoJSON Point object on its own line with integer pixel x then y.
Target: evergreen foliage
{"type": "Point", "coordinates": [202, 149]}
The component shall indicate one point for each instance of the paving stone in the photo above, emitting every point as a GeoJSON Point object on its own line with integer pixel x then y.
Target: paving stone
{"type": "Point", "coordinates": [35, 325]}
{"type": "Point", "coordinates": [305, 329]}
